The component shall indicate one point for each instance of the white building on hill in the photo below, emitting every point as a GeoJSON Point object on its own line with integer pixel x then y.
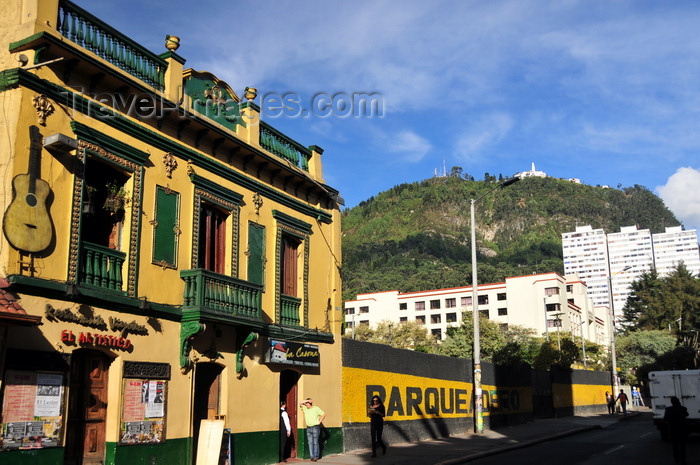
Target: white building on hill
{"type": "Point", "coordinates": [544, 302]}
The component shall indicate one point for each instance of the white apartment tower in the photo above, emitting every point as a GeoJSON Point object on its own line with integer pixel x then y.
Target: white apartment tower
{"type": "Point", "coordinates": [622, 257]}
{"type": "Point", "coordinates": [675, 246]}
{"type": "Point", "coordinates": [586, 255]}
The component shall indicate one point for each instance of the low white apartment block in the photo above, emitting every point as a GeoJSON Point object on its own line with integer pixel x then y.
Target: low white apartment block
{"type": "Point", "coordinates": [546, 303]}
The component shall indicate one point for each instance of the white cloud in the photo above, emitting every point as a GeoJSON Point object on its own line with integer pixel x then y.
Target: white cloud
{"type": "Point", "coordinates": [409, 145]}
{"type": "Point", "coordinates": [680, 193]}
{"type": "Point", "coordinates": [483, 134]}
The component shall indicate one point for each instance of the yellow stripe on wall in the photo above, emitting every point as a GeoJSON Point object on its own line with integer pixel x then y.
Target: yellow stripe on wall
{"type": "Point", "coordinates": [409, 397]}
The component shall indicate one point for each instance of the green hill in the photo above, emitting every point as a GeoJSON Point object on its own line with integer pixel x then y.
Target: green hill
{"type": "Point", "coordinates": [417, 236]}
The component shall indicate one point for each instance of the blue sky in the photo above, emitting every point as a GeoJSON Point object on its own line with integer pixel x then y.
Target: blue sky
{"type": "Point", "coordinates": [604, 91]}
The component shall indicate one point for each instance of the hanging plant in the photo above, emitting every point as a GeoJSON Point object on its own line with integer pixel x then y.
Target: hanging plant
{"type": "Point", "coordinates": [117, 198]}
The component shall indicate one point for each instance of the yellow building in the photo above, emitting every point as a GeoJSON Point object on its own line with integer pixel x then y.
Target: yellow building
{"type": "Point", "coordinates": [182, 256]}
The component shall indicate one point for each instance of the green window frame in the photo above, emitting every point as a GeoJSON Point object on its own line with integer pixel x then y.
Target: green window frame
{"type": "Point", "coordinates": [166, 227]}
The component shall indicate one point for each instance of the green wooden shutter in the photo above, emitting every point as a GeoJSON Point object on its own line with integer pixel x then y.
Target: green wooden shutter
{"type": "Point", "coordinates": [256, 253]}
{"type": "Point", "coordinates": [165, 230]}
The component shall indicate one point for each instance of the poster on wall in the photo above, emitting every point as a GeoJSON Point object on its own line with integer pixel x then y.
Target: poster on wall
{"type": "Point", "coordinates": [32, 410]}
{"type": "Point", "coordinates": [143, 411]}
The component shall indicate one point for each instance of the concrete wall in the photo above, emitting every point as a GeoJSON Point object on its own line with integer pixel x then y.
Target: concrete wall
{"type": "Point", "coordinates": [430, 396]}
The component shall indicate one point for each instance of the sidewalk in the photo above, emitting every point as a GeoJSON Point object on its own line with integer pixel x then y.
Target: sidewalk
{"type": "Point", "coordinates": [466, 447]}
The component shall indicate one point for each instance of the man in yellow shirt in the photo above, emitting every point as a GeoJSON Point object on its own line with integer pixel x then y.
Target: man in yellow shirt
{"type": "Point", "coordinates": [314, 417]}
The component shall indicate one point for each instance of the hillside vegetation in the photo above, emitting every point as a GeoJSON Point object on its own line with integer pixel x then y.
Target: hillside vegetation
{"type": "Point", "coordinates": [417, 236]}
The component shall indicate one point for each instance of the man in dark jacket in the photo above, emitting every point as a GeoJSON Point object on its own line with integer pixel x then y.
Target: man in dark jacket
{"type": "Point", "coordinates": [675, 416]}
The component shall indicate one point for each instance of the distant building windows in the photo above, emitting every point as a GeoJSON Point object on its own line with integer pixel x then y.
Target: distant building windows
{"type": "Point", "coordinates": [569, 288]}
{"type": "Point", "coordinates": [484, 313]}
{"type": "Point", "coordinates": [501, 296]}
{"type": "Point", "coordinates": [450, 303]}
{"type": "Point", "coordinates": [437, 332]}
{"type": "Point", "coordinates": [364, 323]}
{"type": "Point", "coordinates": [466, 301]}
{"type": "Point", "coordinates": [403, 319]}
{"type": "Point", "coordinates": [364, 309]}
{"type": "Point", "coordinates": [483, 300]}
{"type": "Point", "coordinates": [435, 319]}
{"type": "Point", "coordinates": [434, 304]}
{"type": "Point", "coordinates": [554, 323]}
{"type": "Point", "coordinates": [420, 320]}
{"type": "Point", "coordinates": [553, 307]}
{"type": "Point", "coordinates": [502, 311]}
{"type": "Point", "coordinates": [451, 317]}
{"type": "Point", "coordinates": [550, 291]}
{"type": "Point", "coordinates": [420, 305]}
{"type": "Point", "coordinates": [350, 311]}
{"type": "Point", "coordinates": [403, 306]}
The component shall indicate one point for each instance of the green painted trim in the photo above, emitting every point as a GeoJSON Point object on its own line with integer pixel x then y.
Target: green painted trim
{"type": "Point", "coordinates": [316, 148]}
{"type": "Point", "coordinates": [109, 143]}
{"type": "Point", "coordinates": [92, 109]}
{"type": "Point", "coordinates": [173, 55]}
{"type": "Point", "coordinates": [331, 442]}
{"type": "Point", "coordinates": [91, 296]}
{"type": "Point", "coordinates": [9, 79]}
{"type": "Point", "coordinates": [172, 452]}
{"type": "Point", "coordinates": [291, 221]}
{"type": "Point", "coordinates": [216, 189]}
{"type": "Point", "coordinates": [39, 40]}
{"type": "Point", "coordinates": [48, 456]}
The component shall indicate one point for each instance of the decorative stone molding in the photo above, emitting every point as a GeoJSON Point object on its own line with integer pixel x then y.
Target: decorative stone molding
{"type": "Point", "coordinates": [44, 108]}
{"type": "Point", "coordinates": [170, 164]}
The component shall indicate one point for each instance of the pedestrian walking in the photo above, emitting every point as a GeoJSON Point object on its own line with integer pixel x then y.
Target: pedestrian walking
{"type": "Point", "coordinates": [622, 397]}
{"type": "Point", "coordinates": [610, 402]}
{"type": "Point", "coordinates": [314, 417]}
{"type": "Point", "coordinates": [376, 413]}
{"type": "Point", "coordinates": [676, 418]}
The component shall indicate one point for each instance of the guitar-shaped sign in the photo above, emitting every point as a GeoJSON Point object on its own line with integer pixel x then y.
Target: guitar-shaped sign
{"type": "Point", "coordinates": [27, 223]}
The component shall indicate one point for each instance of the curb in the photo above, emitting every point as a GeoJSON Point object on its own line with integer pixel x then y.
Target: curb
{"type": "Point", "coordinates": [500, 450]}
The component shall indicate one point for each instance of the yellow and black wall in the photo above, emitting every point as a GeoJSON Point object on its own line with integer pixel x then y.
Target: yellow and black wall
{"type": "Point", "coordinates": [430, 396]}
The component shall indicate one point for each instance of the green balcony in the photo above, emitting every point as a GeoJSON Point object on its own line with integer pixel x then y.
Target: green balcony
{"type": "Point", "coordinates": [101, 267]}
{"type": "Point", "coordinates": [86, 30]}
{"type": "Point", "coordinates": [221, 298]}
{"type": "Point", "coordinates": [289, 310]}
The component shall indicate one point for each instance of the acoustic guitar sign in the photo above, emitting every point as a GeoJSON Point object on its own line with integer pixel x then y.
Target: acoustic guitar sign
{"type": "Point", "coordinates": [27, 223]}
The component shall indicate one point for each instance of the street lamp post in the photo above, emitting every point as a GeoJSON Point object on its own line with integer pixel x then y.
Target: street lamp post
{"type": "Point", "coordinates": [611, 315]}
{"type": "Point", "coordinates": [478, 397]}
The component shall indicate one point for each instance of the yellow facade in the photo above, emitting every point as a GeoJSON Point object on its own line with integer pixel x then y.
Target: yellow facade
{"type": "Point", "coordinates": [228, 240]}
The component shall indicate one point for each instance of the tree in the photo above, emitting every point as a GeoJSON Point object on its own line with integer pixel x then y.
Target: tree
{"type": "Point", "coordinates": [641, 348]}
{"type": "Point", "coordinates": [407, 335]}
{"type": "Point", "coordinates": [662, 303]}
{"type": "Point", "coordinates": [460, 339]}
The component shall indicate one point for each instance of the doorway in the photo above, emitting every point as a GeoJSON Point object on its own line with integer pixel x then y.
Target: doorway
{"type": "Point", "coordinates": [288, 393]}
{"type": "Point", "coordinates": [87, 408]}
{"type": "Point", "coordinates": [206, 401]}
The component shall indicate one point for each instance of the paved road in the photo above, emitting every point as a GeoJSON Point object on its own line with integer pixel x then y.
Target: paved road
{"type": "Point", "coordinates": [632, 442]}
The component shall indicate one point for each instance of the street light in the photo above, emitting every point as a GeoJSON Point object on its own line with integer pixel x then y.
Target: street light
{"type": "Point", "coordinates": [611, 316]}
{"type": "Point", "coordinates": [478, 398]}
